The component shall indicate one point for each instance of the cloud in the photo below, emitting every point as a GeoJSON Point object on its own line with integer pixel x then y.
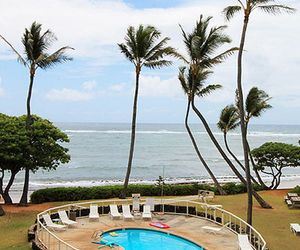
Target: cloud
{"type": "Point", "coordinates": [67, 94]}
{"type": "Point", "coordinates": [1, 88]}
{"type": "Point", "coordinates": [89, 85]}
{"type": "Point", "coordinates": [154, 86]}
{"type": "Point", "coordinates": [118, 87]}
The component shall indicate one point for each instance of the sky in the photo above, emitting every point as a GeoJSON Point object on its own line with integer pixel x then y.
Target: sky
{"type": "Point", "coordinates": [97, 86]}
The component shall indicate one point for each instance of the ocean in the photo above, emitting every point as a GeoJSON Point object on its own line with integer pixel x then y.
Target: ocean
{"type": "Point", "coordinates": [99, 153]}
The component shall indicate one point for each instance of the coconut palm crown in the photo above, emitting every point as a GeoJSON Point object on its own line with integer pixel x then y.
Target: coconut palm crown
{"type": "Point", "coordinates": [229, 119]}
{"type": "Point", "coordinates": [247, 6]}
{"type": "Point", "coordinates": [142, 48]}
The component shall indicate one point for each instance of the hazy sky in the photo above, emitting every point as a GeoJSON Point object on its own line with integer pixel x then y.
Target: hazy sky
{"type": "Point", "coordinates": [97, 85]}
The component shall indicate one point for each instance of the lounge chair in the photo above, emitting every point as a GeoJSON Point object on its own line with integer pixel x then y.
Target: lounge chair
{"type": "Point", "coordinates": [65, 219]}
{"type": "Point", "coordinates": [215, 230]}
{"type": "Point", "coordinates": [93, 215]}
{"type": "Point", "coordinates": [151, 203]}
{"type": "Point", "coordinates": [114, 213]}
{"type": "Point", "coordinates": [146, 212]}
{"type": "Point", "coordinates": [126, 212]}
{"type": "Point", "coordinates": [49, 223]}
{"type": "Point", "coordinates": [244, 243]}
{"type": "Point", "coordinates": [295, 228]}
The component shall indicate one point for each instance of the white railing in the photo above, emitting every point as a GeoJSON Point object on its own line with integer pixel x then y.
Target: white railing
{"type": "Point", "coordinates": [169, 206]}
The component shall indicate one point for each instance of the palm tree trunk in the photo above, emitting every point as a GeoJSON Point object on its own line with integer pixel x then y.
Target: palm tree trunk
{"type": "Point", "coordinates": [236, 159]}
{"type": "Point", "coordinates": [242, 121]}
{"type": "Point", "coordinates": [217, 184]}
{"type": "Point", "coordinates": [1, 181]}
{"type": "Point", "coordinates": [6, 195]}
{"type": "Point", "coordinates": [261, 182]}
{"type": "Point", "coordinates": [24, 197]}
{"type": "Point", "coordinates": [260, 200]}
{"type": "Point", "coordinates": [133, 129]}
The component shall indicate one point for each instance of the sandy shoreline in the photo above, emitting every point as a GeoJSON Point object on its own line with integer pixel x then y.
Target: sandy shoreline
{"type": "Point", "coordinates": [285, 184]}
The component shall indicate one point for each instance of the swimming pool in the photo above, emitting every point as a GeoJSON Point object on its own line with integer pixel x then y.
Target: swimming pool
{"type": "Point", "coordinates": [145, 239]}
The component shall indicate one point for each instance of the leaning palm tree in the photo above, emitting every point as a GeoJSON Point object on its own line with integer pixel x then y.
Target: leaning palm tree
{"type": "Point", "coordinates": [197, 89]}
{"type": "Point", "coordinates": [36, 44]}
{"type": "Point", "coordinates": [142, 48]}
{"type": "Point", "coordinates": [201, 45]}
{"type": "Point", "coordinates": [256, 104]}
{"type": "Point", "coordinates": [248, 6]}
{"type": "Point", "coordinates": [229, 120]}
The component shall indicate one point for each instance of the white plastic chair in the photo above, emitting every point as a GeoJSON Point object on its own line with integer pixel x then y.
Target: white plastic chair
{"type": "Point", "coordinates": [65, 219]}
{"type": "Point", "coordinates": [126, 212]}
{"type": "Point", "coordinates": [114, 213]}
{"type": "Point", "coordinates": [94, 215]}
{"type": "Point", "coordinates": [49, 223]}
{"type": "Point", "coordinates": [147, 212]}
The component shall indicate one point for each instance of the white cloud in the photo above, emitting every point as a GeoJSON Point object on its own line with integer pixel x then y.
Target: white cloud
{"type": "Point", "coordinates": [154, 86]}
{"type": "Point", "coordinates": [66, 94]}
{"type": "Point", "coordinates": [1, 88]}
{"type": "Point", "coordinates": [89, 85]}
{"type": "Point", "coordinates": [118, 87]}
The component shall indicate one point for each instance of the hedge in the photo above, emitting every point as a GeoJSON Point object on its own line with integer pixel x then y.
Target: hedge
{"type": "Point", "coordinates": [296, 190]}
{"type": "Point", "coordinates": [106, 192]}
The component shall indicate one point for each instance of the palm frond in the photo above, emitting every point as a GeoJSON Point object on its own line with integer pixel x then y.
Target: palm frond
{"type": "Point", "coordinates": [46, 61]}
{"type": "Point", "coordinates": [20, 58]}
{"type": "Point", "coordinates": [208, 90]}
{"type": "Point", "coordinates": [126, 52]}
{"type": "Point", "coordinates": [276, 9]}
{"type": "Point", "coordinates": [230, 11]}
{"type": "Point", "coordinates": [229, 118]}
{"type": "Point", "coordinates": [157, 64]}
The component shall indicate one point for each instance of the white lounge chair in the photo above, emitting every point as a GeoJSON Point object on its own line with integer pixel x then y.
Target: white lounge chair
{"type": "Point", "coordinates": [49, 223]}
{"type": "Point", "coordinates": [65, 219]}
{"type": "Point", "coordinates": [94, 215]}
{"type": "Point", "coordinates": [126, 212]}
{"type": "Point", "coordinates": [151, 203]}
{"type": "Point", "coordinates": [295, 228]}
{"type": "Point", "coordinates": [244, 243]}
{"type": "Point", "coordinates": [215, 230]}
{"type": "Point", "coordinates": [146, 212]}
{"type": "Point", "coordinates": [114, 213]}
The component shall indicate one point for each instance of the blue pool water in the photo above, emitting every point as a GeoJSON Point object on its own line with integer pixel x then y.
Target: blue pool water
{"type": "Point", "coordinates": [143, 239]}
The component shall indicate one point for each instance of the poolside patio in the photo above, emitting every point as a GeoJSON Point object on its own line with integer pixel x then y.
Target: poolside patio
{"type": "Point", "coordinates": [188, 227]}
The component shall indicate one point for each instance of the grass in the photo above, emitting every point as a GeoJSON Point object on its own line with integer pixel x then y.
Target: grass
{"type": "Point", "coordinates": [273, 224]}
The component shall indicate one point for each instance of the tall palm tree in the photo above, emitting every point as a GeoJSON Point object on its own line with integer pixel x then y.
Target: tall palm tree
{"type": "Point", "coordinates": [248, 6]}
{"type": "Point", "coordinates": [229, 120]}
{"type": "Point", "coordinates": [200, 90]}
{"type": "Point", "coordinates": [256, 103]}
{"type": "Point", "coordinates": [201, 46]}
{"type": "Point", "coordinates": [36, 44]}
{"type": "Point", "coordinates": [142, 48]}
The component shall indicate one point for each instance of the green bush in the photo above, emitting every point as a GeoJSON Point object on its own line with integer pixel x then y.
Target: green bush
{"type": "Point", "coordinates": [296, 190]}
{"type": "Point", "coordinates": [106, 192]}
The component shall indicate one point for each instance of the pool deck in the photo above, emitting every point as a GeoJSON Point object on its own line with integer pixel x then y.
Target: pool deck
{"type": "Point", "coordinates": [80, 236]}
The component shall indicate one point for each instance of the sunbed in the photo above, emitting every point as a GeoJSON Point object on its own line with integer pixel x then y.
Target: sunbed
{"type": "Point", "coordinates": [146, 212]}
{"type": "Point", "coordinates": [295, 228]}
{"type": "Point", "coordinates": [114, 213]}
{"type": "Point", "coordinates": [65, 219]}
{"type": "Point", "coordinates": [126, 212]}
{"type": "Point", "coordinates": [94, 215]}
{"type": "Point", "coordinates": [215, 230]}
{"type": "Point", "coordinates": [244, 243]}
{"type": "Point", "coordinates": [49, 223]}
{"type": "Point", "coordinates": [151, 203]}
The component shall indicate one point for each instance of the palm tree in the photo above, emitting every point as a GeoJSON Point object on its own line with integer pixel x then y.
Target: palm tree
{"type": "Point", "coordinates": [36, 45]}
{"type": "Point", "coordinates": [201, 46]}
{"type": "Point", "coordinates": [248, 6]}
{"type": "Point", "coordinates": [256, 103]}
{"type": "Point", "coordinates": [200, 90]}
{"type": "Point", "coordinates": [229, 120]}
{"type": "Point", "coordinates": [142, 48]}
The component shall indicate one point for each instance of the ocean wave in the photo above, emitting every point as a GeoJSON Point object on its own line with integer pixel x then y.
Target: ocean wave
{"type": "Point", "coordinates": [34, 185]}
{"type": "Point", "coordinates": [251, 134]}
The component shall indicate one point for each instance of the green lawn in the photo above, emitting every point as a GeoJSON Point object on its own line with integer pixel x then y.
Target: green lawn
{"type": "Point", "coordinates": [273, 224]}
